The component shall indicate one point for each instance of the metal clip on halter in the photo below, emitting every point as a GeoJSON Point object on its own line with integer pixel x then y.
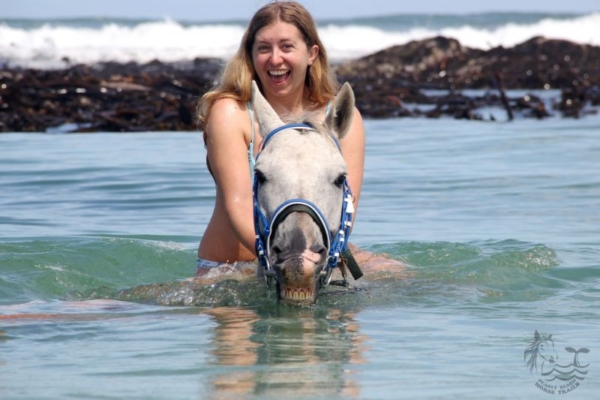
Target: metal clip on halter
{"type": "Point", "coordinates": [326, 276]}
{"type": "Point", "coordinates": [269, 277]}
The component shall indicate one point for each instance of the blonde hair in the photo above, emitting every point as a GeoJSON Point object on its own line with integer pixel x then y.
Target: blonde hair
{"type": "Point", "coordinates": [238, 73]}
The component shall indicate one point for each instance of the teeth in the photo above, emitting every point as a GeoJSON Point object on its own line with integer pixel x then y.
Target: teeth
{"type": "Point", "coordinates": [278, 72]}
{"type": "Point", "coordinates": [297, 294]}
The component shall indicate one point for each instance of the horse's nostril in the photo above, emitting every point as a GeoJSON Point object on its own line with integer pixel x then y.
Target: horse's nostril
{"type": "Point", "coordinates": [319, 249]}
{"type": "Point", "coordinates": [280, 255]}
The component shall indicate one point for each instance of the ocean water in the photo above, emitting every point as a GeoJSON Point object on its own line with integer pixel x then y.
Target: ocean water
{"type": "Point", "coordinates": [497, 223]}
{"type": "Point", "coordinates": [48, 43]}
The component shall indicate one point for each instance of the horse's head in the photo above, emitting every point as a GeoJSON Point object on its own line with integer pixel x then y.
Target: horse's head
{"type": "Point", "coordinates": [546, 349]}
{"type": "Point", "coordinates": [301, 196]}
{"type": "Point", "coordinates": [542, 346]}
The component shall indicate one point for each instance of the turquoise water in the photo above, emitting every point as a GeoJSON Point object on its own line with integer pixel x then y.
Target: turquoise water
{"type": "Point", "coordinates": [498, 224]}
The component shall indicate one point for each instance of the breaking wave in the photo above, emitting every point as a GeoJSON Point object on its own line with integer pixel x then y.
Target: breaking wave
{"type": "Point", "coordinates": [55, 43]}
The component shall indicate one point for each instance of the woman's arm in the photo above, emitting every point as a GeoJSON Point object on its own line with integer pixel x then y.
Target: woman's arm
{"type": "Point", "coordinates": [353, 148]}
{"type": "Point", "coordinates": [228, 157]}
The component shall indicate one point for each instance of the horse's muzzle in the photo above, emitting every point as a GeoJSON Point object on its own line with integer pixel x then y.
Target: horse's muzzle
{"type": "Point", "coordinates": [298, 280]}
{"type": "Point", "coordinates": [298, 256]}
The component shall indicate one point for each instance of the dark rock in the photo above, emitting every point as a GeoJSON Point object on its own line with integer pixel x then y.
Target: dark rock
{"type": "Point", "coordinates": [105, 97]}
{"type": "Point", "coordinates": [421, 78]}
{"type": "Point", "coordinates": [444, 64]}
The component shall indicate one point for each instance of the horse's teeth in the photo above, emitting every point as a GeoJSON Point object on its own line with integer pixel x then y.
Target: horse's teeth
{"type": "Point", "coordinates": [296, 294]}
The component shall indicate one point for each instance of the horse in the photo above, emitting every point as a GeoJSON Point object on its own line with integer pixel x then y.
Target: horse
{"type": "Point", "coordinates": [542, 346]}
{"type": "Point", "coordinates": [302, 201]}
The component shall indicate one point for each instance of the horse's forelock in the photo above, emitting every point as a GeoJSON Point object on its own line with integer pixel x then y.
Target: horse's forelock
{"type": "Point", "coordinates": [312, 118]}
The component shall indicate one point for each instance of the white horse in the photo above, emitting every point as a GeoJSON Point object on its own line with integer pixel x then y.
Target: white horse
{"type": "Point", "coordinates": [303, 206]}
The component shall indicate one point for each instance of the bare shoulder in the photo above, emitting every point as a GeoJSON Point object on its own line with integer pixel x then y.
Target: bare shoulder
{"type": "Point", "coordinates": [227, 115]}
{"type": "Point", "coordinates": [227, 105]}
{"type": "Point", "coordinates": [227, 135]}
{"type": "Point", "coordinates": [355, 136]}
{"type": "Point", "coordinates": [357, 116]}
{"type": "Point", "coordinates": [358, 126]}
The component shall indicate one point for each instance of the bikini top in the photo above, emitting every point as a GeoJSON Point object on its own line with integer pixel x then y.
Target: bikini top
{"type": "Point", "coordinates": [251, 158]}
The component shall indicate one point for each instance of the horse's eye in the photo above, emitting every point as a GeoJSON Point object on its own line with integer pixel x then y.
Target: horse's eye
{"type": "Point", "coordinates": [340, 180]}
{"type": "Point", "coordinates": [260, 176]}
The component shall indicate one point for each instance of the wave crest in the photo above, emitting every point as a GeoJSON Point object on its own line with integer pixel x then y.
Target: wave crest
{"type": "Point", "coordinates": [50, 45]}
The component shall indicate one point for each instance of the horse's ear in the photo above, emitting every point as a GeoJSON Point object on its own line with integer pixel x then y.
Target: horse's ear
{"type": "Point", "coordinates": [340, 118]}
{"type": "Point", "coordinates": [536, 335]}
{"type": "Point", "coordinates": [267, 117]}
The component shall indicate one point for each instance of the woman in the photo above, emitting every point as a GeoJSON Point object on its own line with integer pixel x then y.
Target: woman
{"type": "Point", "coordinates": [282, 51]}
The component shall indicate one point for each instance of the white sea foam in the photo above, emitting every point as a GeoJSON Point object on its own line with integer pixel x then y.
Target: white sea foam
{"type": "Point", "coordinates": [347, 42]}
{"type": "Point", "coordinates": [46, 46]}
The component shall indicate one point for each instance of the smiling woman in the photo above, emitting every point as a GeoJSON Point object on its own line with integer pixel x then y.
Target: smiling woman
{"type": "Point", "coordinates": [282, 51]}
{"type": "Point", "coordinates": [278, 50]}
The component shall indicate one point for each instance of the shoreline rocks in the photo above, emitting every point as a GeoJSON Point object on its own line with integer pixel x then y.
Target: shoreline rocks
{"type": "Point", "coordinates": [398, 75]}
{"type": "Point", "coordinates": [105, 97]}
{"type": "Point", "coordinates": [430, 78]}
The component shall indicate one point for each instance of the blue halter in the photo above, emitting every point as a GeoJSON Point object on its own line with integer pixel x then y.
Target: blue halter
{"type": "Point", "coordinates": [265, 228]}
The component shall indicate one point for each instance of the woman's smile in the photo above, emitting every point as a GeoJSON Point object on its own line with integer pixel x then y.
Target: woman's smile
{"type": "Point", "coordinates": [279, 76]}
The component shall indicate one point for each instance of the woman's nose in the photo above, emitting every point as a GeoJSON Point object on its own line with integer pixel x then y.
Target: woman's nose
{"type": "Point", "coordinates": [276, 58]}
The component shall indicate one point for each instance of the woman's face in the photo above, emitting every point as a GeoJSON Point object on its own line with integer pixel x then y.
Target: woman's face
{"type": "Point", "coordinates": [281, 59]}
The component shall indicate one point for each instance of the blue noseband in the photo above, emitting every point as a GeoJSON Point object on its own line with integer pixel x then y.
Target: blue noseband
{"type": "Point", "coordinates": [264, 228]}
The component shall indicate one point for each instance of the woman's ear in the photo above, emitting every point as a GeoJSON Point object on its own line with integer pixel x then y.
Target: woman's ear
{"type": "Point", "coordinates": [313, 52]}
